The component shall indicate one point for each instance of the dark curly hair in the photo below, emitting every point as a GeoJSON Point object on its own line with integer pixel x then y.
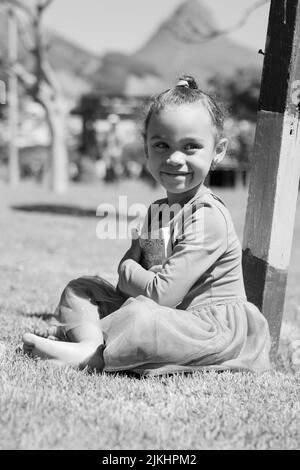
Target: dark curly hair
{"type": "Point", "coordinates": [186, 92]}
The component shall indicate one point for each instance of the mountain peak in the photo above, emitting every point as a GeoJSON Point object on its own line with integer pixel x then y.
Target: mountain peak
{"type": "Point", "coordinates": [185, 43]}
{"type": "Point", "coordinates": [190, 18]}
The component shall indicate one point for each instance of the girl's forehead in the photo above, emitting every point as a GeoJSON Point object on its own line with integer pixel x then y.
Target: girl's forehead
{"type": "Point", "coordinates": [183, 118]}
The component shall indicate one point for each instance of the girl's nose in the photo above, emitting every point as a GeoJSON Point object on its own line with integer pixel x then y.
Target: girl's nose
{"type": "Point", "coordinates": [175, 158]}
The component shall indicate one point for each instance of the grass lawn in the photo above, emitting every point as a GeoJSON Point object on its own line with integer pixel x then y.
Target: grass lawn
{"type": "Point", "coordinates": [44, 407]}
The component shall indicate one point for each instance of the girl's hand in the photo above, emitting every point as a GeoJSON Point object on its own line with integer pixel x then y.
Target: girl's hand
{"type": "Point", "coordinates": [133, 253]}
{"type": "Point", "coordinates": [156, 268]}
{"type": "Point", "coordinates": [135, 250]}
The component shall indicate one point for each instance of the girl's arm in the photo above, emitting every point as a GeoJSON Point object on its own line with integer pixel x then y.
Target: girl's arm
{"type": "Point", "coordinates": [196, 253]}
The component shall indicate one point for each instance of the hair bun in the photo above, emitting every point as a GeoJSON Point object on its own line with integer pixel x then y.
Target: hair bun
{"type": "Point", "coordinates": [187, 81]}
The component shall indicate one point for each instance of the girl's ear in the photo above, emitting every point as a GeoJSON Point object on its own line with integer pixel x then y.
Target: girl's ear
{"type": "Point", "coordinates": [146, 154]}
{"type": "Point", "coordinates": [146, 149]}
{"type": "Point", "coordinates": [220, 151]}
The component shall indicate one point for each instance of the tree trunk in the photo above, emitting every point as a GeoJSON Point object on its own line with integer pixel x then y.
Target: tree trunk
{"type": "Point", "coordinates": [44, 89]}
{"type": "Point", "coordinates": [14, 169]}
{"type": "Point", "coordinates": [56, 171]}
{"type": "Point", "coordinates": [275, 171]}
{"type": "Point", "coordinates": [59, 176]}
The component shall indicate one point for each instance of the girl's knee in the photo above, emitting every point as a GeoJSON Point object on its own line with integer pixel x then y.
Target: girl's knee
{"type": "Point", "coordinates": [76, 286]}
{"type": "Point", "coordinates": [67, 292]}
{"type": "Point", "coordinates": [145, 300]}
{"type": "Point", "coordinates": [137, 301]}
{"type": "Point", "coordinates": [143, 311]}
{"type": "Point", "coordinates": [77, 303]}
{"type": "Point", "coordinates": [73, 291]}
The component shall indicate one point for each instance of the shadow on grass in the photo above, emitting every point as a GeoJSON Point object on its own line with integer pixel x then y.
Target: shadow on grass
{"type": "Point", "coordinates": [74, 211]}
{"type": "Point", "coordinates": [42, 316]}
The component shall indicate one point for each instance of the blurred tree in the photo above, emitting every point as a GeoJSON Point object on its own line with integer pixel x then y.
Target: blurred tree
{"type": "Point", "coordinates": [41, 84]}
{"type": "Point", "coordinates": [3, 80]}
{"type": "Point", "coordinates": [241, 135]}
{"type": "Point", "coordinates": [240, 92]}
{"type": "Point", "coordinates": [13, 102]}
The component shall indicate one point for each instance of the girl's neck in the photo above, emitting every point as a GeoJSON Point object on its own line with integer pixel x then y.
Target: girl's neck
{"type": "Point", "coordinates": [183, 198]}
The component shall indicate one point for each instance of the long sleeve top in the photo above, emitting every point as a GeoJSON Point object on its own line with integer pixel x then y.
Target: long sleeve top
{"type": "Point", "coordinates": [200, 258]}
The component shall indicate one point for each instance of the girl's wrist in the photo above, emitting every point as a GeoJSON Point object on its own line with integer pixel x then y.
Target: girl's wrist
{"type": "Point", "coordinates": [125, 263]}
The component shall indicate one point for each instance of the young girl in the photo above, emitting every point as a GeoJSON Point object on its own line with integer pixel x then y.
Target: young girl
{"type": "Point", "coordinates": [180, 303]}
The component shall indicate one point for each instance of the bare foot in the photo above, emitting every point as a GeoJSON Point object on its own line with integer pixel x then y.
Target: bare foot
{"type": "Point", "coordinates": [79, 355]}
{"type": "Point", "coordinates": [53, 332]}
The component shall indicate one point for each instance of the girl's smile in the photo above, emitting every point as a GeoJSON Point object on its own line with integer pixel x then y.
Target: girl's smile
{"type": "Point", "coordinates": [176, 177]}
{"type": "Point", "coordinates": [169, 173]}
{"type": "Point", "coordinates": [180, 146]}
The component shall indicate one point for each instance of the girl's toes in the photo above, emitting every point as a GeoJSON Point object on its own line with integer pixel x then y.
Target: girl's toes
{"type": "Point", "coordinates": [28, 339]}
{"type": "Point", "coordinates": [57, 333]}
{"type": "Point", "coordinates": [43, 332]}
{"type": "Point", "coordinates": [53, 338]}
{"type": "Point", "coordinates": [51, 332]}
{"type": "Point", "coordinates": [29, 344]}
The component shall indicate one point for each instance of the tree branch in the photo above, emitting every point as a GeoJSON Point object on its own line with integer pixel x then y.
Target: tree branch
{"type": "Point", "coordinates": [43, 5]}
{"type": "Point", "coordinates": [39, 7]}
{"type": "Point", "coordinates": [25, 34]}
{"type": "Point", "coordinates": [26, 78]}
{"type": "Point", "coordinates": [194, 35]}
{"type": "Point", "coordinates": [20, 5]}
{"type": "Point", "coordinates": [49, 76]}
{"type": "Point", "coordinates": [43, 70]}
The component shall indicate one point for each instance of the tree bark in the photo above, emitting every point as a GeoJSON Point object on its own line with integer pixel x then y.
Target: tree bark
{"type": "Point", "coordinates": [56, 171]}
{"type": "Point", "coordinates": [14, 169]}
{"type": "Point", "coordinates": [42, 85]}
{"type": "Point", "coordinates": [58, 152]}
{"type": "Point", "coordinates": [275, 172]}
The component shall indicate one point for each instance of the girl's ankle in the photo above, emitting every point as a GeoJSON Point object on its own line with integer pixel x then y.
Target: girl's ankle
{"type": "Point", "coordinates": [96, 362]}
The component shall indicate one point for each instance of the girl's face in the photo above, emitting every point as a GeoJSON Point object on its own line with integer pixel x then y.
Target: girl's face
{"type": "Point", "coordinates": [180, 148]}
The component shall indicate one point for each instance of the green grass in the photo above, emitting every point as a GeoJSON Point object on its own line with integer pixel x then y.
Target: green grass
{"type": "Point", "coordinates": [44, 407]}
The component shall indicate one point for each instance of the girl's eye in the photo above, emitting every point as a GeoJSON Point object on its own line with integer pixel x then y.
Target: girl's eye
{"type": "Point", "coordinates": [192, 146]}
{"type": "Point", "coordinates": [161, 145]}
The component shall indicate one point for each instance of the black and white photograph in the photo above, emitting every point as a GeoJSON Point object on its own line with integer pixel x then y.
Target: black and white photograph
{"type": "Point", "coordinates": [149, 228]}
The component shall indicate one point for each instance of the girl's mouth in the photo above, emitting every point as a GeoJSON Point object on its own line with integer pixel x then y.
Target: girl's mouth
{"type": "Point", "coordinates": [177, 173]}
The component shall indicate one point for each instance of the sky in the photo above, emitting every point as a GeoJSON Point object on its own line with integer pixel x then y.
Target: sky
{"type": "Point", "coordinates": [125, 25]}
